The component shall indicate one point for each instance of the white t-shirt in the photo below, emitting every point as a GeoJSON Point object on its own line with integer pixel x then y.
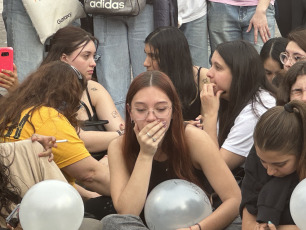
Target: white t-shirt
{"type": "Point", "coordinates": [240, 138]}
{"type": "Point", "coordinates": [190, 10]}
{"type": "Point", "coordinates": [240, 3]}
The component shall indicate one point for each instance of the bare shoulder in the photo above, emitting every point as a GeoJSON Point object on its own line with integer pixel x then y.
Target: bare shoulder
{"type": "Point", "coordinates": [93, 85]}
{"type": "Point", "coordinates": [97, 92]}
{"type": "Point", "coordinates": [193, 133]}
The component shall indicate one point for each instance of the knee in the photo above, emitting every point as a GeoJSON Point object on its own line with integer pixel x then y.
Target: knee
{"type": "Point", "coordinates": [110, 221]}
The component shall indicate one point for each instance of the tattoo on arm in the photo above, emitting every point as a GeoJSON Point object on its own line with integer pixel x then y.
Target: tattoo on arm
{"type": "Point", "coordinates": [205, 80]}
{"type": "Point", "coordinates": [115, 114]}
{"type": "Point", "coordinates": [94, 89]}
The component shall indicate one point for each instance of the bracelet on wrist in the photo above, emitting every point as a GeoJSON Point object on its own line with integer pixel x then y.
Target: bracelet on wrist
{"type": "Point", "coordinates": [120, 132]}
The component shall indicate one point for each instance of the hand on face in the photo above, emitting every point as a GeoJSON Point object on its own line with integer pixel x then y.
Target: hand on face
{"type": "Point", "coordinates": [210, 99]}
{"type": "Point", "coordinates": [150, 136]}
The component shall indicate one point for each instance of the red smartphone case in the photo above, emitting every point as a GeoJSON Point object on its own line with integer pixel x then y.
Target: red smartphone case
{"type": "Point", "coordinates": [6, 58]}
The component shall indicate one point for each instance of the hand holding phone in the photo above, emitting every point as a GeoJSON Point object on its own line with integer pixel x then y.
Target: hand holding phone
{"type": "Point", "coordinates": [6, 58]}
{"type": "Point", "coordinates": [8, 71]}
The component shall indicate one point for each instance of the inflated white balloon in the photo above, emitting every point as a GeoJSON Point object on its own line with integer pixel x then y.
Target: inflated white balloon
{"type": "Point", "coordinates": [51, 205]}
{"type": "Point", "coordinates": [176, 204]}
{"type": "Point", "coordinates": [298, 204]}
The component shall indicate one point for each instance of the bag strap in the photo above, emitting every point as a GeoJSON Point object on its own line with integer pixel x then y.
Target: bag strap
{"type": "Point", "coordinates": [87, 110]}
{"type": "Point", "coordinates": [89, 99]}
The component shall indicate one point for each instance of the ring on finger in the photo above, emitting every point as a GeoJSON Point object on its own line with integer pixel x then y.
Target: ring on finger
{"type": "Point", "coordinates": [154, 139]}
{"type": "Point", "coordinates": [148, 134]}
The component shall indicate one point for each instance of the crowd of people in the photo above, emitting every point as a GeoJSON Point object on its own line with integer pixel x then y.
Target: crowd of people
{"type": "Point", "coordinates": [138, 105]}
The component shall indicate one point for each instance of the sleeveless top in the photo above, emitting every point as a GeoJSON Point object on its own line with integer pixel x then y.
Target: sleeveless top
{"type": "Point", "coordinates": [93, 124]}
{"type": "Point", "coordinates": [160, 173]}
{"type": "Point", "coordinates": [194, 109]}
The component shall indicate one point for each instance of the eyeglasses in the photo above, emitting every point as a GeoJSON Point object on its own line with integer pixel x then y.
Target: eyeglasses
{"type": "Point", "coordinates": [297, 92]}
{"type": "Point", "coordinates": [79, 75]}
{"type": "Point", "coordinates": [159, 112]}
{"type": "Point", "coordinates": [284, 57]}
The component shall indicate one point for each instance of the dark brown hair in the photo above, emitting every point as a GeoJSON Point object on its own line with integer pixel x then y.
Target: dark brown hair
{"type": "Point", "coordinates": [174, 143]}
{"type": "Point", "coordinates": [283, 128]}
{"type": "Point", "coordinates": [66, 41]}
{"type": "Point", "coordinates": [248, 78]}
{"type": "Point", "coordinates": [283, 93]}
{"type": "Point", "coordinates": [56, 85]}
{"type": "Point", "coordinates": [298, 36]}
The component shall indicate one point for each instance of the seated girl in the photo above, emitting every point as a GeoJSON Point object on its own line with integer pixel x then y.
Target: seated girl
{"type": "Point", "coordinates": [274, 167]}
{"type": "Point", "coordinates": [158, 146]}
{"type": "Point", "coordinates": [234, 100]}
{"type": "Point", "coordinates": [77, 47]}
{"type": "Point", "coordinates": [47, 103]}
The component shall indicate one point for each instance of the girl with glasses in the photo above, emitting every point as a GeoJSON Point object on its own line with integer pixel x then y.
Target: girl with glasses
{"type": "Point", "coordinates": [158, 146]}
{"type": "Point", "coordinates": [296, 48]}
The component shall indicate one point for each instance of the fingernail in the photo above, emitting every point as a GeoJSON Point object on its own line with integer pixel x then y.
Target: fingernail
{"type": "Point", "coordinates": [269, 222]}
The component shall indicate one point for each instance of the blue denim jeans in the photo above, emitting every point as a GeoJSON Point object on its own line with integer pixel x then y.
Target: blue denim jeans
{"type": "Point", "coordinates": [22, 36]}
{"type": "Point", "coordinates": [121, 51]}
{"type": "Point", "coordinates": [196, 34]}
{"type": "Point", "coordinates": [229, 23]}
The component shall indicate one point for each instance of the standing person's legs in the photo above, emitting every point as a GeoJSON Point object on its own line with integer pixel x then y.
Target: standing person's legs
{"type": "Point", "coordinates": [223, 24]}
{"type": "Point", "coordinates": [138, 29]}
{"type": "Point", "coordinates": [122, 222]}
{"type": "Point", "coordinates": [113, 67]}
{"type": "Point", "coordinates": [22, 36]}
{"type": "Point", "coordinates": [248, 12]}
{"type": "Point", "coordinates": [196, 34]}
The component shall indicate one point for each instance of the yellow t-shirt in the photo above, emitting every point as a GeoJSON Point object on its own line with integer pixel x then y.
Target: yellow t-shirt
{"type": "Point", "coordinates": [49, 122]}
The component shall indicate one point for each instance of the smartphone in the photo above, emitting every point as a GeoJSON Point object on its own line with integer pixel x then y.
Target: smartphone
{"type": "Point", "coordinates": [6, 58]}
{"type": "Point", "coordinates": [13, 218]}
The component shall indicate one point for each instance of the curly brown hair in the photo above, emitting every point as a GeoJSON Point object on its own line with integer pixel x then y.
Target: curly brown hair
{"type": "Point", "coordinates": [56, 85]}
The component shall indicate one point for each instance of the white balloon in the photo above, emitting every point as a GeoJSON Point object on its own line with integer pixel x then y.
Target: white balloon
{"type": "Point", "coordinates": [298, 204]}
{"type": "Point", "coordinates": [176, 204]}
{"type": "Point", "coordinates": [51, 205]}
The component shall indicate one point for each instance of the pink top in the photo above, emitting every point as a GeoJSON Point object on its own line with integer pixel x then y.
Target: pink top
{"type": "Point", "coordinates": [240, 3]}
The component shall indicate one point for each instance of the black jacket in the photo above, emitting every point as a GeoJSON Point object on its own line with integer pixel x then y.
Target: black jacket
{"type": "Point", "coordinates": [266, 197]}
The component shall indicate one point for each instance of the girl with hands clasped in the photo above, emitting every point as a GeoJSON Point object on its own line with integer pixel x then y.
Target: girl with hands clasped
{"type": "Point", "coordinates": [158, 146]}
{"type": "Point", "coordinates": [232, 103]}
